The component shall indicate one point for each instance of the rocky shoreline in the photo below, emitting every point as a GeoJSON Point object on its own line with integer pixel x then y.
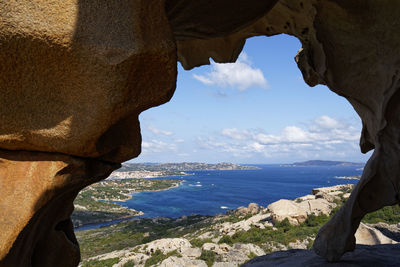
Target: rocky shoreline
{"type": "Point", "coordinates": [94, 205]}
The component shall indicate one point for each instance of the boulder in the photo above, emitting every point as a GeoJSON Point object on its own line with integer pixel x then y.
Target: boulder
{"type": "Point", "coordinates": [333, 190]}
{"type": "Point", "coordinates": [328, 197]}
{"type": "Point", "coordinates": [259, 220]}
{"type": "Point", "coordinates": [317, 206]}
{"type": "Point", "coordinates": [217, 248]}
{"type": "Point", "coordinates": [303, 198]}
{"type": "Point", "coordinates": [223, 264]}
{"type": "Point", "coordinates": [138, 259]}
{"type": "Point", "coordinates": [191, 253]}
{"type": "Point", "coordinates": [390, 230]}
{"type": "Point", "coordinates": [367, 235]}
{"type": "Point", "coordinates": [252, 209]}
{"type": "Point", "coordinates": [166, 245]}
{"type": "Point", "coordinates": [248, 249]}
{"type": "Point", "coordinates": [282, 209]}
{"type": "Point", "coordinates": [174, 261]}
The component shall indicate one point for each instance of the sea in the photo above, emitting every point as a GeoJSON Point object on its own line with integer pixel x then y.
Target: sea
{"type": "Point", "coordinates": [212, 192]}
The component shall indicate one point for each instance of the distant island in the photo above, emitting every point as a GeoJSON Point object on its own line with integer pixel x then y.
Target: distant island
{"type": "Point", "coordinates": [184, 166]}
{"type": "Point", "coordinates": [325, 163]}
{"type": "Point", "coordinates": [354, 177]}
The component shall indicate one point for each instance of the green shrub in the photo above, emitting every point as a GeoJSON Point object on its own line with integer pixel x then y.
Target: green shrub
{"type": "Point", "coordinates": [389, 215]}
{"type": "Point", "coordinates": [251, 255]}
{"type": "Point", "coordinates": [129, 264]}
{"type": "Point", "coordinates": [208, 256]}
{"type": "Point", "coordinates": [155, 258]}
{"type": "Point", "coordinates": [158, 256]}
{"type": "Point", "coordinates": [226, 239]}
{"type": "Point", "coordinates": [285, 225]}
{"type": "Point", "coordinates": [313, 220]}
{"type": "Point", "coordinates": [199, 242]}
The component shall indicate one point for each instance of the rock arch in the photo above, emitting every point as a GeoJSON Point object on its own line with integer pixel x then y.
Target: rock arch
{"type": "Point", "coordinates": [75, 74]}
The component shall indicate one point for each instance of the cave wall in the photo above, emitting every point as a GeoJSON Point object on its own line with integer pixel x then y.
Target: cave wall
{"type": "Point", "coordinates": [75, 75]}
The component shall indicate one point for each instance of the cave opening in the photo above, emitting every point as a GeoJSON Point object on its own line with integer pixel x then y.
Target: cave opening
{"type": "Point", "coordinates": [257, 110]}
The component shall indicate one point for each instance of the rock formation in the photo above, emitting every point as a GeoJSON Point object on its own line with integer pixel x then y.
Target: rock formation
{"type": "Point", "coordinates": [75, 74]}
{"type": "Point", "coordinates": [350, 46]}
{"type": "Point", "coordinates": [364, 256]}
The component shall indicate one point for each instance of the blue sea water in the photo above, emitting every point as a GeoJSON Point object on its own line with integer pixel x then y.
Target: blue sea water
{"type": "Point", "coordinates": [212, 192]}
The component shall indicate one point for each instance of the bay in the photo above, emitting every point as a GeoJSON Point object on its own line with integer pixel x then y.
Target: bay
{"type": "Point", "coordinates": [213, 192]}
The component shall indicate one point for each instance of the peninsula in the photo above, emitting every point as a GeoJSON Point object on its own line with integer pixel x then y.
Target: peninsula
{"type": "Point", "coordinates": [183, 166]}
{"type": "Point", "coordinates": [95, 204]}
{"type": "Point", "coordinates": [311, 163]}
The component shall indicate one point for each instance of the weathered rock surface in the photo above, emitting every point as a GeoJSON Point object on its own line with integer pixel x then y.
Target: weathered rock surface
{"type": "Point", "coordinates": [260, 220]}
{"type": "Point", "coordinates": [75, 75]}
{"type": "Point", "coordinates": [252, 208]}
{"type": "Point", "coordinates": [36, 195]}
{"type": "Point", "coordinates": [219, 249]}
{"type": "Point", "coordinates": [367, 235]}
{"type": "Point", "coordinates": [166, 245]}
{"type": "Point", "coordinates": [182, 262]}
{"type": "Point", "coordinates": [287, 209]}
{"type": "Point", "coordinates": [390, 230]}
{"type": "Point", "coordinates": [366, 256]}
{"type": "Point", "coordinates": [191, 253]}
{"type": "Point", "coordinates": [350, 46]}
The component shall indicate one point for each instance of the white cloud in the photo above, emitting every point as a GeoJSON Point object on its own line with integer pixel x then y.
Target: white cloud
{"type": "Point", "coordinates": [157, 131]}
{"type": "Point", "coordinates": [156, 146]}
{"type": "Point", "coordinates": [324, 137]}
{"type": "Point", "coordinates": [326, 122]}
{"type": "Point", "coordinates": [239, 74]}
{"type": "Point", "coordinates": [235, 133]}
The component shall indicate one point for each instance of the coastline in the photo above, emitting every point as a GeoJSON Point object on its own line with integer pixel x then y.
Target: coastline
{"type": "Point", "coordinates": [130, 195]}
{"type": "Point", "coordinates": [133, 213]}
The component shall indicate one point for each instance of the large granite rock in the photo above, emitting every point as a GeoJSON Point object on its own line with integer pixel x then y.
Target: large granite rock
{"type": "Point", "coordinates": [287, 209]}
{"type": "Point", "coordinates": [363, 256]}
{"type": "Point", "coordinates": [350, 46]}
{"type": "Point", "coordinates": [367, 235]}
{"type": "Point", "coordinates": [36, 192]}
{"type": "Point", "coordinates": [166, 245]}
{"type": "Point", "coordinates": [75, 74]}
{"type": "Point", "coordinates": [182, 262]}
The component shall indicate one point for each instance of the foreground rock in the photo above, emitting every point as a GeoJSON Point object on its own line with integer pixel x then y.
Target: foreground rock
{"type": "Point", "coordinates": [365, 256]}
{"type": "Point", "coordinates": [74, 76]}
{"type": "Point", "coordinates": [37, 191]}
{"type": "Point", "coordinates": [81, 73]}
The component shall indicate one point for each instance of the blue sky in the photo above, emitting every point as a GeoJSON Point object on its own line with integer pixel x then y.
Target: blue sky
{"type": "Point", "coordinates": [257, 110]}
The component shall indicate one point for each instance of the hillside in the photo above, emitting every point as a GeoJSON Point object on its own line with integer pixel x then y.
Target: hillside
{"type": "Point", "coordinates": [229, 239]}
{"type": "Point", "coordinates": [325, 163]}
{"type": "Point", "coordinates": [184, 166]}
